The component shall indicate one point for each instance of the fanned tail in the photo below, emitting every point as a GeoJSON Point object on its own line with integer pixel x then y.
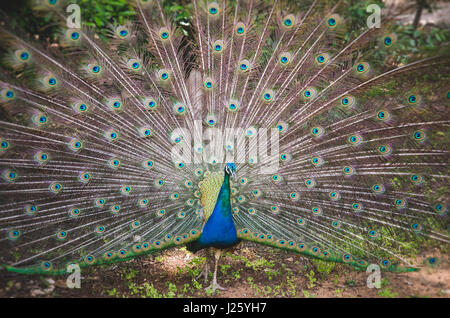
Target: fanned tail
{"type": "Point", "coordinates": [87, 160]}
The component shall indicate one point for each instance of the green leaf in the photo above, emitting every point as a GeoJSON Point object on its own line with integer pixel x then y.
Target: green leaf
{"type": "Point", "coordinates": [98, 21]}
{"type": "Point", "coordinates": [127, 13]}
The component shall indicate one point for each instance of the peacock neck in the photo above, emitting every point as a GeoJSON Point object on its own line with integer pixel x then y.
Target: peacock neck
{"type": "Point", "coordinates": [224, 196]}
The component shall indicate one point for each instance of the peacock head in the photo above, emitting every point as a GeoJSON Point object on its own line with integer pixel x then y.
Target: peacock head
{"type": "Point", "coordinates": [230, 169]}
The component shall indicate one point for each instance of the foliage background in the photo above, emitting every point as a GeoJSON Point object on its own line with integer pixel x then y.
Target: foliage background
{"type": "Point", "coordinates": [102, 13]}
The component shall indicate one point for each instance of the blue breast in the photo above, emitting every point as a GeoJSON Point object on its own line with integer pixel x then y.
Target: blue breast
{"type": "Point", "coordinates": [219, 231]}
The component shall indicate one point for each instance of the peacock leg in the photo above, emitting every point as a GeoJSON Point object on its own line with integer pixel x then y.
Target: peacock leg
{"type": "Point", "coordinates": [214, 286]}
{"type": "Point", "coordinates": [205, 270]}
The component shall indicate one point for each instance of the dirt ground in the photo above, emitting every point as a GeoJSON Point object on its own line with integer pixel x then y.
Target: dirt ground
{"type": "Point", "coordinates": [248, 271]}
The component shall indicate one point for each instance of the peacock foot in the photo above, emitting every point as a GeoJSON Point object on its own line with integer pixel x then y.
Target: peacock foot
{"type": "Point", "coordinates": [204, 273]}
{"type": "Point", "coordinates": [215, 286]}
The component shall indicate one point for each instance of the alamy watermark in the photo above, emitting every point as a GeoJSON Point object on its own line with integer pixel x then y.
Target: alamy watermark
{"type": "Point", "coordinates": [217, 146]}
{"type": "Point", "coordinates": [374, 279]}
{"type": "Point", "coordinates": [374, 20]}
{"type": "Point", "coordinates": [74, 279]}
{"type": "Point", "coordinates": [73, 21]}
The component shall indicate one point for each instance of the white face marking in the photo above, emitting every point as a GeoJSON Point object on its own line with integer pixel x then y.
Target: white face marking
{"type": "Point", "coordinates": [229, 171]}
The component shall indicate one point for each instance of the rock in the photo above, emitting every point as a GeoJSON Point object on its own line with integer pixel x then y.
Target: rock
{"type": "Point", "coordinates": [37, 292]}
{"type": "Point", "coordinates": [49, 289]}
{"type": "Point", "coordinates": [50, 281]}
{"type": "Point", "coordinates": [290, 259]}
{"type": "Point", "coordinates": [61, 283]}
{"type": "Point", "coordinates": [18, 285]}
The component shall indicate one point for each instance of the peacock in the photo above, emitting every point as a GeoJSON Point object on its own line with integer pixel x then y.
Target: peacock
{"type": "Point", "coordinates": [263, 121]}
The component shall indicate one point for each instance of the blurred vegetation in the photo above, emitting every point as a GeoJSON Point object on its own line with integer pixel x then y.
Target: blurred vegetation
{"type": "Point", "coordinates": [101, 14]}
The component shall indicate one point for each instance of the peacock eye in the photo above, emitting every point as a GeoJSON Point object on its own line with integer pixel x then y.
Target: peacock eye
{"type": "Point", "coordinates": [179, 110]}
{"type": "Point", "coordinates": [348, 101]}
{"type": "Point", "coordinates": [333, 21]}
{"type": "Point", "coordinates": [213, 8]}
{"type": "Point", "coordinates": [419, 135]}
{"type": "Point", "coordinates": [232, 106]}
{"type": "Point", "coordinates": [208, 83]}
{"type": "Point", "coordinates": [218, 46]}
{"type": "Point", "coordinates": [284, 58]}
{"type": "Point", "coordinates": [309, 93]}
{"type": "Point", "coordinates": [414, 99]}
{"type": "Point", "coordinates": [9, 94]}
{"type": "Point", "coordinates": [355, 140]}
{"type": "Point", "coordinates": [268, 95]}
{"type": "Point", "coordinates": [362, 68]}
{"type": "Point", "coordinates": [440, 208]}
{"type": "Point", "coordinates": [46, 265]}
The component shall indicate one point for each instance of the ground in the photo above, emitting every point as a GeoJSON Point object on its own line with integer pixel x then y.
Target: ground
{"type": "Point", "coordinates": [248, 271]}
